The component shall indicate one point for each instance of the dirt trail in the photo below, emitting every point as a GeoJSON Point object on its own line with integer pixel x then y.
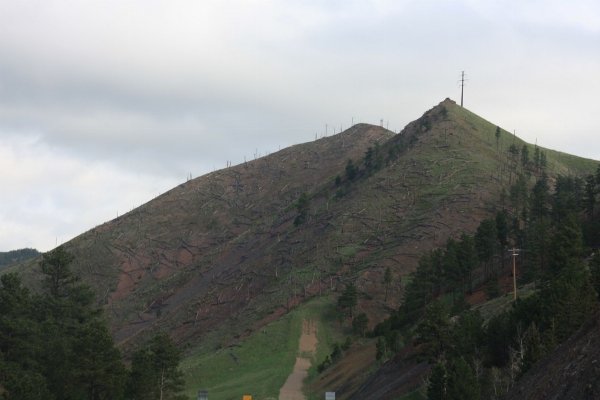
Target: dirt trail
{"type": "Point", "coordinates": [292, 389]}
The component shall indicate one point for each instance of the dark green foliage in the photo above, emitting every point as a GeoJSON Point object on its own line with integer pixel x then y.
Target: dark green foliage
{"type": "Point", "coordinates": [467, 336]}
{"type": "Point", "coordinates": [348, 300]}
{"type": "Point", "coordinates": [437, 387]}
{"type": "Point", "coordinates": [373, 159]}
{"type": "Point", "coordinates": [595, 272]}
{"type": "Point", "coordinates": [338, 180]}
{"type": "Point", "coordinates": [58, 278]}
{"type": "Point", "coordinates": [543, 160]}
{"type": "Point", "coordinates": [360, 324]}
{"type": "Point", "coordinates": [433, 333]}
{"type": "Point", "coordinates": [498, 133]}
{"type": "Point", "coordinates": [518, 194]}
{"type": "Point", "coordinates": [502, 227]}
{"type": "Point", "coordinates": [540, 198]}
{"type": "Point", "coordinates": [56, 345]}
{"type": "Point", "coordinates": [302, 207]}
{"type": "Point", "coordinates": [461, 381]}
{"type": "Point", "coordinates": [467, 257]}
{"type": "Point", "coordinates": [513, 150]}
{"type": "Point", "coordinates": [567, 198]}
{"type": "Point", "coordinates": [387, 281]}
{"type": "Point", "coordinates": [591, 192]}
{"type": "Point", "coordinates": [525, 156]}
{"type": "Point", "coordinates": [492, 288]}
{"type": "Point", "coordinates": [549, 228]}
{"type": "Point", "coordinates": [485, 242]}
{"type": "Point", "coordinates": [380, 348]}
{"type": "Point", "coordinates": [453, 380]}
{"type": "Point", "coordinates": [534, 346]}
{"type": "Point", "coordinates": [351, 171]}
{"type": "Point", "coordinates": [154, 371]}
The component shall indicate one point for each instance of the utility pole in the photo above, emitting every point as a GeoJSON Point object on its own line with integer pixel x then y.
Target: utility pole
{"type": "Point", "coordinates": [515, 253]}
{"type": "Point", "coordinates": [462, 87]}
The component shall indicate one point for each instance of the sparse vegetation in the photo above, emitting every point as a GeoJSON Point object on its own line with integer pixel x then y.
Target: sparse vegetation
{"type": "Point", "coordinates": [216, 259]}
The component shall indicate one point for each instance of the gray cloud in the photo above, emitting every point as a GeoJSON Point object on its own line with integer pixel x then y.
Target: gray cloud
{"type": "Point", "coordinates": [133, 96]}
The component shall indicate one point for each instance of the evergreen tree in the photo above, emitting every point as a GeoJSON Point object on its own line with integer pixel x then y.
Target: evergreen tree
{"type": "Point", "coordinates": [360, 324]}
{"type": "Point", "coordinates": [78, 357]}
{"type": "Point", "coordinates": [467, 257]}
{"type": "Point", "coordinates": [302, 207]}
{"type": "Point", "coordinates": [590, 195]}
{"type": "Point", "coordinates": [595, 272]}
{"type": "Point", "coordinates": [387, 281]}
{"type": "Point", "coordinates": [433, 333]}
{"type": "Point", "coordinates": [525, 156]}
{"type": "Point", "coordinates": [154, 371]}
{"type": "Point", "coordinates": [58, 276]}
{"type": "Point", "coordinates": [436, 388]}
{"type": "Point", "coordinates": [467, 335]}
{"type": "Point", "coordinates": [485, 241]}
{"type": "Point", "coordinates": [348, 300]}
{"type": "Point", "coordinates": [351, 171]}
{"type": "Point", "coordinates": [498, 132]}
{"type": "Point", "coordinates": [461, 381]}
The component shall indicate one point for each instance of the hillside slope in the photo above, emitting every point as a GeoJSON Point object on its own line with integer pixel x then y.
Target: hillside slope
{"type": "Point", "coordinates": [220, 255]}
{"type": "Point", "coordinates": [571, 372]}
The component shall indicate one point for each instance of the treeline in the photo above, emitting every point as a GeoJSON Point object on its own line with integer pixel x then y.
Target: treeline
{"type": "Point", "coordinates": [55, 345]}
{"type": "Point", "coordinates": [15, 256]}
{"type": "Point", "coordinates": [558, 233]}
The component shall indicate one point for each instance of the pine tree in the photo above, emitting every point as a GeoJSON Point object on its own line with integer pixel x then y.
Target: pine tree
{"type": "Point", "coordinates": [433, 333]}
{"type": "Point", "coordinates": [595, 272]}
{"type": "Point", "coordinates": [348, 300]}
{"type": "Point", "coordinates": [436, 388]}
{"type": "Point", "coordinates": [360, 324]}
{"type": "Point", "coordinates": [525, 156]}
{"type": "Point", "coordinates": [387, 281]}
{"type": "Point", "coordinates": [498, 138]}
{"type": "Point", "coordinates": [485, 241]}
{"type": "Point", "coordinates": [154, 371]}
{"type": "Point", "coordinates": [461, 381]}
{"type": "Point", "coordinates": [467, 256]}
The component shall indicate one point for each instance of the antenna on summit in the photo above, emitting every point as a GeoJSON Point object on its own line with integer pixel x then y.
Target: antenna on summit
{"type": "Point", "coordinates": [462, 87]}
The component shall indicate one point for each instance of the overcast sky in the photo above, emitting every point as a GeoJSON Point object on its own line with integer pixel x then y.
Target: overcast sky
{"type": "Point", "coordinates": [106, 104]}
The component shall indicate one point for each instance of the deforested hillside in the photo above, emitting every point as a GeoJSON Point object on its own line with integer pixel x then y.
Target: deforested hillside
{"type": "Point", "coordinates": [222, 254]}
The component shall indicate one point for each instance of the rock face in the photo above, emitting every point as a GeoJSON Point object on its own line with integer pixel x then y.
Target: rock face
{"type": "Point", "coordinates": [571, 372]}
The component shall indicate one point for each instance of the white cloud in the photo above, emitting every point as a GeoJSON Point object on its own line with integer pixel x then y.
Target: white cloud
{"type": "Point", "coordinates": [50, 195]}
{"type": "Point", "coordinates": [131, 93]}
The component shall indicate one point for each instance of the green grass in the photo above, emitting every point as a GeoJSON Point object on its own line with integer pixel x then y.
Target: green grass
{"type": "Point", "coordinates": [419, 394]}
{"type": "Point", "coordinates": [264, 360]}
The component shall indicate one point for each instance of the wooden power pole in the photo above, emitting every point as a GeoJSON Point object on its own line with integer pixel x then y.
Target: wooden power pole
{"type": "Point", "coordinates": [514, 253]}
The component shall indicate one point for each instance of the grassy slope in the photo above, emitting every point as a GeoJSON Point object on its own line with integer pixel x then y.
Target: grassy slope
{"type": "Point", "coordinates": [264, 359]}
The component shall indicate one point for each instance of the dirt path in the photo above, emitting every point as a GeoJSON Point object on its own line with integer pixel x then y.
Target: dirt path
{"type": "Point", "coordinates": [292, 389]}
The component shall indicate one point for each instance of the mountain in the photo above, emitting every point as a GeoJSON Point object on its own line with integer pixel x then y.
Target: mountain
{"type": "Point", "coordinates": [8, 258]}
{"type": "Point", "coordinates": [218, 257]}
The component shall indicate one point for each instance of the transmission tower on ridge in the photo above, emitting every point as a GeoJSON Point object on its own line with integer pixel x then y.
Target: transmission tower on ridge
{"type": "Point", "coordinates": [462, 87]}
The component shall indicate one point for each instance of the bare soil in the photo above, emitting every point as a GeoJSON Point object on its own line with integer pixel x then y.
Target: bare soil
{"type": "Point", "coordinates": [292, 389]}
